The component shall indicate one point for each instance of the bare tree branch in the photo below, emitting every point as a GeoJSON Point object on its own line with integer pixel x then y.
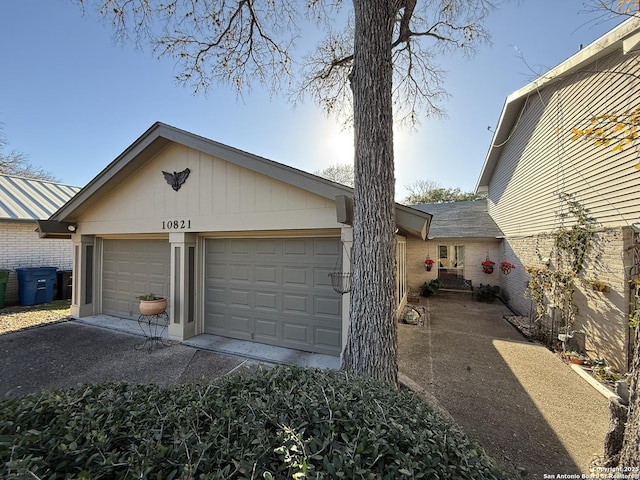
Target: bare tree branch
{"type": "Point", "coordinates": [17, 164]}
{"type": "Point", "coordinates": [418, 80]}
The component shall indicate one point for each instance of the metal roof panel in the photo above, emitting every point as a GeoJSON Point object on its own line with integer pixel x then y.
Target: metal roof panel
{"type": "Point", "coordinates": [29, 199]}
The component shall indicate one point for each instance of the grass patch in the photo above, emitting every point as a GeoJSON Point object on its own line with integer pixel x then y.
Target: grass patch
{"type": "Point", "coordinates": [286, 422]}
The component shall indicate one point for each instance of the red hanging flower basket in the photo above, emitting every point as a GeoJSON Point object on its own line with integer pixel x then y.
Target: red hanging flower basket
{"type": "Point", "coordinates": [428, 264]}
{"type": "Point", "coordinates": [487, 266]}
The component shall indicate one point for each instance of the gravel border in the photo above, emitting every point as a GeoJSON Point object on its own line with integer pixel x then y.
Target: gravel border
{"type": "Point", "coordinates": [13, 319]}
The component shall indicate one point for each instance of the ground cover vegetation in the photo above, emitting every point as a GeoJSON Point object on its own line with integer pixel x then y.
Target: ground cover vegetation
{"type": "Point", "coordinates": [286, 422]}
{"type": "Point", "coordinates": [20, 317]}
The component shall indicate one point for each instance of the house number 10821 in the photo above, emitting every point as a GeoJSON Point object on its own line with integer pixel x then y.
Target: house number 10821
{"type": "Point", "coordinates": [176, 224]}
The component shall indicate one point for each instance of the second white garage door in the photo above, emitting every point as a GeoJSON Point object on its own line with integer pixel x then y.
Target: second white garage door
{"type": "Point", "coordinates": [275, 291]}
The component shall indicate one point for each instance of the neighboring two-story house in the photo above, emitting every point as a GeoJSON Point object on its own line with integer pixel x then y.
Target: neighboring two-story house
{"type": "Point", "coordinates": [535, 163]}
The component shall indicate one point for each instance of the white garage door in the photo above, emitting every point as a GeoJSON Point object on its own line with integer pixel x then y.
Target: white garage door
{"type": "Point", "coordinates": [274, 291]}
{"type": "Point", "coordinates": [131, 268]}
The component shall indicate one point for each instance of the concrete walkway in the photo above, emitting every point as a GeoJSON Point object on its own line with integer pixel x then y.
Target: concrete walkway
{"type": "Point", "coordinates": [527, 408]}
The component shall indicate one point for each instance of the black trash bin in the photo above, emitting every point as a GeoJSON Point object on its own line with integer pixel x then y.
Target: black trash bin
{"type": "Point", "coordinates": [64, 284]}
{"type": "Point", "coordinates": [4, 278]}
{"type": "Point", "coordinates": [35, 285]}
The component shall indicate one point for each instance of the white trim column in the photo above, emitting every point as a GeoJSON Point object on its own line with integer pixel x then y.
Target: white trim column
{"type": "Point", "coordinates": [83, 287]}
{"type": "Point", "coordinates": [182, 323]}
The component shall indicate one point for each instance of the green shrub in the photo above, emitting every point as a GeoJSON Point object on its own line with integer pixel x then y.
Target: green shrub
{"type": "Point", "coordinates": [428, 289]}
{"type": "Point", "coordinates": [286, 422]}
{"type": "Point", "coordinates": [486, 293]}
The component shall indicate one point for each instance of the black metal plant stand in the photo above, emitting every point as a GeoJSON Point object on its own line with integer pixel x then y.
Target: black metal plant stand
{"type": "Point", "coordinates": [153, 328]}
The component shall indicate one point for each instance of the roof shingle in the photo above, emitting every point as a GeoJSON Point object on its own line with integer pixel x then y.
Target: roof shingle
{"type": "Point", "coordinates": [460, 220]}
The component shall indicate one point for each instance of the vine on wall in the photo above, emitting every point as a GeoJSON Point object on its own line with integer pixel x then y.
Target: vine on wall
{"type": "Point", "coordinates": [554, 284]}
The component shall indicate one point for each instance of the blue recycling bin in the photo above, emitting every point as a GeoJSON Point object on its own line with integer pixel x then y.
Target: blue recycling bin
{"type": "Point", "coordinates": [35, 285]}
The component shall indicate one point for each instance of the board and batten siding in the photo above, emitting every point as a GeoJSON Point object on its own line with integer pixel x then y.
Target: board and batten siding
{"type": "Point", "coordinates": [217, 196]}
{"type": "Point", "coordinates": [539, 160]}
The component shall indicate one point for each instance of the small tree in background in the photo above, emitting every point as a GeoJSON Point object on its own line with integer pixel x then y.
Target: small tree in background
{"type": "Point", "coordinates": [17, 164]}
{"type": "Point", "coordinates": [429, 191]}
{"type": "Point", "coordinates": [340, 173]}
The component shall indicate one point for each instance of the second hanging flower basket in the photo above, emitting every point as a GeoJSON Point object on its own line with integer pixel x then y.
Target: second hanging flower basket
{"type": "Point", "coordinates": [506, 267]}
{"type": "Point", "coordinates": [487, 266]}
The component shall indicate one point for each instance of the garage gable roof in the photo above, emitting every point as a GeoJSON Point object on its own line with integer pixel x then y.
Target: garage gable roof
{"type": "Point", "coordinates": [625, 36]}
{"type": "Point", "coordinates": [160, 135]}
{"type": "Point", "coordinates": [26, 199]}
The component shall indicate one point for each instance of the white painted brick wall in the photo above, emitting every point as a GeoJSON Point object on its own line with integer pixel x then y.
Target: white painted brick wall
{"type": "Point", "coordinates": [20, 246]}
{"type": "Point", "coordinates": [475, 252]}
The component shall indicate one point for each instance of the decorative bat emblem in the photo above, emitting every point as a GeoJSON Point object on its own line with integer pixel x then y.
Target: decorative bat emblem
{"type": "Point", "coordinates": [176, 179]}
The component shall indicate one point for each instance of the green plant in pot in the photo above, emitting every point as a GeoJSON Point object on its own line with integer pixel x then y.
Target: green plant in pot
{"type": "Point", "coordinates": [428, 289]}
{"type": "Point", "coordinates": [485, 293]}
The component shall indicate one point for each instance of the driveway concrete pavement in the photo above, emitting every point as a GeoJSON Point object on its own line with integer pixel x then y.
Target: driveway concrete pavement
{"type": "Point", "coordinates": [527, 408]}
{"type": "Point", "coordinates": [520, 401]}
{"type": "Point", "coordinates": [69, 354]}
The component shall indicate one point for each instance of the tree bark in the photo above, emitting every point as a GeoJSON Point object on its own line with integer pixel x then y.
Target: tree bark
{"type": "Point", "coordinates": [613, 441]}
{"type": "Point", "coordinates": [630, 454]}
{"type": "Point", "coordinates": [371, 347]}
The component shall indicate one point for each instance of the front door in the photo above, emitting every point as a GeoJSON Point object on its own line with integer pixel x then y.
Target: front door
{"type": "Point", "coordinates": [451, 266]}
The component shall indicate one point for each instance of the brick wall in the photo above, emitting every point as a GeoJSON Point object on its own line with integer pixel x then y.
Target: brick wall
{"type": "Point", "coordinates": [602, 317]}
{"type": "Point", "coordinates": [475, 252]}
{"type": "Point", "coordinates": [20, 246]}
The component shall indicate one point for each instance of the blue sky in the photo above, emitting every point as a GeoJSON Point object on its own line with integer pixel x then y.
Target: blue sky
{"type": "Point", "coordinates": [72, 99]}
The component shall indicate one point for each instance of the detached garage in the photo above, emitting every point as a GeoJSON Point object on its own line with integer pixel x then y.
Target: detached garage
{"type": "Point", "coordinates": [242, 246]}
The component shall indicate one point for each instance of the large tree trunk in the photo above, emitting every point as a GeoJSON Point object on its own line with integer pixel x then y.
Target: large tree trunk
{"type": "Point", "coordinates": [630, 454]}
{"type": "Point", "coordinates": [614, 439]}
{"type": "Point", "coordinates": [371, 347]}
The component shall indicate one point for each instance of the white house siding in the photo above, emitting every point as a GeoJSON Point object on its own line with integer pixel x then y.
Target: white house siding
{"type": "Point", "coordinates": [475, 252]}
{"type": "Point", "coordinates": [539, 159]}
{"type": "Point", "coordinates": [219, 200]}
{"type": "Point", "coordinates": [20, 246]}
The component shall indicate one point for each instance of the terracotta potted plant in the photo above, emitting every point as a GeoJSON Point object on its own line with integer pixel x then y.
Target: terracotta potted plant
{"type": "Point", "coordinates": [575, 358]}
{"type": "Point", "coordinates": [428, 264]}
{"type": "Point", "coordinates": [505, 267]}
{"type": "Point", "coordinates": [151, 304]}
{"type": "Point", "coordinates": [487, 266]}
